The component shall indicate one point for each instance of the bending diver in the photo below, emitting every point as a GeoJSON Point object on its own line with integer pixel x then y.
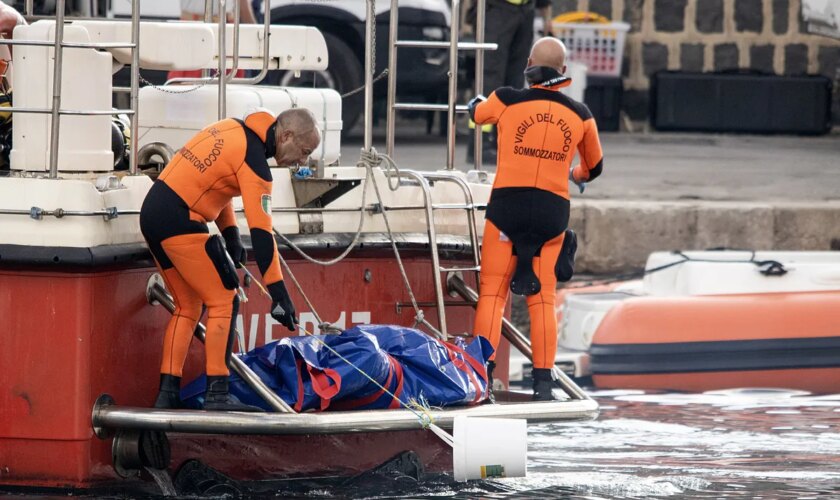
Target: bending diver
{"type": "Point", "coordinates": [226, 159]}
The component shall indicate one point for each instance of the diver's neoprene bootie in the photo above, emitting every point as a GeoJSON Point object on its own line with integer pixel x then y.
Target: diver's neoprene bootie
{"type": "Point", "coordinates": [169, 396]}
{"type": "Point", "coordinates": [491, 365]}
{"type": "Point", "coordinates": [543, 383]}
{"type": "Point", "coordinates": [217, 397]}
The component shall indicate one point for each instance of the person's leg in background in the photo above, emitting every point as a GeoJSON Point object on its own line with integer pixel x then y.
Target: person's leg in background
{"type": "Point", "coordinates": [541, 310]}
{"type": "Point", "coordinates": [521, 41]}
{"type": "Point", "coordinates": [497, 265]}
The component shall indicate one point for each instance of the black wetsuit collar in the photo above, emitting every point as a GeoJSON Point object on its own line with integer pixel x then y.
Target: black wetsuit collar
{"type": "Point", "coordinates": [545, 77]}
{"type": "Point", "coordinates": [270, 141]}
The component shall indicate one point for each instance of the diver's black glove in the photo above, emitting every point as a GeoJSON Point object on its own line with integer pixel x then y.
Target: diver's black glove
{"type": "Point", "coordinates": [282, 309]}
{"type": "Point", "coordinates": [474, 102]}
{"type": "Point", "coordinates": [233, 243]}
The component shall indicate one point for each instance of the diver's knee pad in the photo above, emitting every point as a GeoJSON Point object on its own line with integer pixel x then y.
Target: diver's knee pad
{"type": "Point", "coordinates": [222, 262]}
{"type": "Point", "coordinates": [565, 267]}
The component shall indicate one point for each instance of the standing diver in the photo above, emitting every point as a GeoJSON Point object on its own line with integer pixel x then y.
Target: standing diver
{"type": "Point", "coordinates": [226, 159]}
{"type": "Point", "coordinates": [526, 243]}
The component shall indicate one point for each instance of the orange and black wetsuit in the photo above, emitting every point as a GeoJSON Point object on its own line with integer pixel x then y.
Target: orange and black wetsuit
{"type": "Point", "coordinates": [226, 159]}
{"type": "Point", "coordinates": [539, 131]}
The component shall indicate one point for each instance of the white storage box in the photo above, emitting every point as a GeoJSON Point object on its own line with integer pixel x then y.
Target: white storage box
{"type": "Point", "coordinates": [173, 118]}
{"type": "Point", "coordinates": [84, 141]}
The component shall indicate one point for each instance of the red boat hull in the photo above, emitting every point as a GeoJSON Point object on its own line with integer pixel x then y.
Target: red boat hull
{"type": "Point", "coordinates": [70, 336]}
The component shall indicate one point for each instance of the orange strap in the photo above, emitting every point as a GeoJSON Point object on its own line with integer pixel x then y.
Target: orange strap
{"type": "Point", "coordinates": [461, 363]}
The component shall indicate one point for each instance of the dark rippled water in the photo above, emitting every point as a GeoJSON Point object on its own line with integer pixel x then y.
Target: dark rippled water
{"type": "Point", "coordinates": [751, 444]}
{"type": "Point", "coordinates": [723, 444]}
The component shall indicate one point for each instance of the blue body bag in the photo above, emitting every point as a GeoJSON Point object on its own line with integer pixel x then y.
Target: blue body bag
{"type": "Point", "coordinates": [410, 364]}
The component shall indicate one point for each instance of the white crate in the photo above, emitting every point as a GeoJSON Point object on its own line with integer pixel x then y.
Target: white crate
{"type": "Point", "coordinates": [599, 46]}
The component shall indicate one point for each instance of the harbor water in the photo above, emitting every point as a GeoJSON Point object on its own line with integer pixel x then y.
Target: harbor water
{"type": "Point", "coordinates": [732, 444]}
{"type": "Point", "coordinates": [742, 443]}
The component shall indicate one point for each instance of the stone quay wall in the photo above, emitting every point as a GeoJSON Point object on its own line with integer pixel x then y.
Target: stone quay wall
{"type": "Point", "coordinates": [713, 35]}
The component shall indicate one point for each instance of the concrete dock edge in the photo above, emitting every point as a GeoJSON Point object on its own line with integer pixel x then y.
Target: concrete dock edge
{"type": "Point", "coordinates": [618, 235]}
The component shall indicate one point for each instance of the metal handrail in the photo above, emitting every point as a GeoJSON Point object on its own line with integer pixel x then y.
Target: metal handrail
{"type": "Point", "coordinates": [108, 416]}
{"type": "Point", "coordinates": [231, 78]}
{"type": "Point", "coordinates": [390, 121]}
{"type": "Point", "coordinates": [470, 209]}
{"type": "Point", "coordinates": [479, 77]}
{"type": "Point", "coordinates": [426, 107]}
{"type": "Point", "coordinates": [56, 103]}
{"type": "Point", "coordinates": [77, 112]}
{"type": "Point", "coordinates": [266, 47]}
{"type": "Point", "coordinates": [370, 27]}
{"type": "Point", "coordinates": [70, 45]}
{"type": "Point", "coordinates": [455, 25]}
{"type": "Point", "coordinates": [424, 44]}
{"type": "Point", "coordinates": [430, 227]}
{"type": "Point", "coordinates": [135, 86]}
{"type": "Point", "coordinates": [235, 66]}
{"type": "Point", "coordinates": [374, 209]}
{"type": "Point", "coordinates": [223, 58]}
{"type": "Point", "coordinates": [58, 213]}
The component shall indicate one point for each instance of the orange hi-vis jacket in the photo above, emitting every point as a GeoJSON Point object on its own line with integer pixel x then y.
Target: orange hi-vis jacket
{"type": "Point", "coordinates": [539, 130]}
{"type": "Point", "coordinates": [226, 159]}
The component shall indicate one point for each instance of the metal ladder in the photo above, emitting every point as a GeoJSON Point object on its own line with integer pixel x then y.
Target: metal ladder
{"type": "Point", "coordinates": [424, 179]}
{"type": "Point", "coordinates": [454, 45]}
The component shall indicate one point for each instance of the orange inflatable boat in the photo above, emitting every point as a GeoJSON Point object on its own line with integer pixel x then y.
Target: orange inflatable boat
{"type": "Point", "coordinates": [714, 320]}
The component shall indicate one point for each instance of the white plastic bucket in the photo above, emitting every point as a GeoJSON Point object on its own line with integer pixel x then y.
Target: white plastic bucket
{"type": "Point", "coordinates": [489, 447]}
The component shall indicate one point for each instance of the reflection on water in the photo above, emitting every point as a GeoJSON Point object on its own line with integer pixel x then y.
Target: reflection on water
{"type": "Point", "coordinates": [750, 444]}
{"type": "Point", "coordinates": [721, 444]}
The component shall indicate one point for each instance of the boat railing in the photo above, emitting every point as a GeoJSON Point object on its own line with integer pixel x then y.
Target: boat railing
{"type": "Point", "coordinates": [230, 73]}
{"type": "Point", "coordinates": [59, 44]}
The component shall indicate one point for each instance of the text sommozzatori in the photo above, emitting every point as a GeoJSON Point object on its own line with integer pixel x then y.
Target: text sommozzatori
{"type": "Point", "coordinates": [545, 154]}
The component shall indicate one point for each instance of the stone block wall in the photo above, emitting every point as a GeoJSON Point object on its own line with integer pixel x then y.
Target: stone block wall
{"type": "Point", "coordinates": [713, 35]}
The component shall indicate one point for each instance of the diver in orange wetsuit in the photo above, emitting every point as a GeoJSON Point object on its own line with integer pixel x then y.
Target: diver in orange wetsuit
{"type": "Point", "coordinates": [526, 242]}
{"type": "Point", "coordinates": [226, 159]}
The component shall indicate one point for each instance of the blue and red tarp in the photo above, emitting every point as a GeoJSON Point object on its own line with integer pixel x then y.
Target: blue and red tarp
{"type": "Point", "coordinates": [410, 364]}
